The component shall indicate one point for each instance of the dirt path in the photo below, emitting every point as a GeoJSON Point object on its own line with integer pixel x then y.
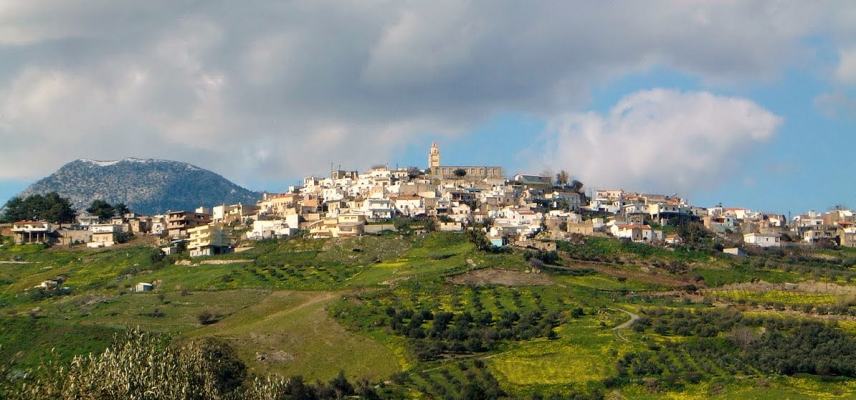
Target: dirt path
{"type": "Point", "coordinates": [325, 296]}
{"type": "Point", "coordinates": [478, 356]}
{"type": "Point", "coordinates": [626, 324]}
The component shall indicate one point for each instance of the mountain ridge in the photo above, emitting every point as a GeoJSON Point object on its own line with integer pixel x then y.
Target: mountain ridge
{"type": "Point", "coordinates": [145, 185]}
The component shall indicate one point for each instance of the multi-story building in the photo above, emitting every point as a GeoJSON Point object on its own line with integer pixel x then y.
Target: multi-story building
{"type": "Point", "coordinates": [207, 240]}
{"type": "Point", "coordinates": [103, 235]}
{"type": "Point", "coordinates": [351, 224]}
{"type": "Point", "coordinates": [179, 222]}
{"type": "Point", "coordinates": [847, 234]}
{"type": "Point", "coordinates": [233, 213]}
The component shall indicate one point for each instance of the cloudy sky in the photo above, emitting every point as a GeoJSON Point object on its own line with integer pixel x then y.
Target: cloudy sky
{"type": "Point", "coordinates": [743, 102]}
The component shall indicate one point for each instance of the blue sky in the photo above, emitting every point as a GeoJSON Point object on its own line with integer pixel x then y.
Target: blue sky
{"type": "Point", "coordinates": [808, 164]}
{"type": "Point", "coordinates": [10, 188]}
{"type": "Point", "coordinates": [745, 103]}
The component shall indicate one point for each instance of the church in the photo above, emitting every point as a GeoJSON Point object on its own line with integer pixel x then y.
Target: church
{"type": "Point", "coordinates": [448, 172]}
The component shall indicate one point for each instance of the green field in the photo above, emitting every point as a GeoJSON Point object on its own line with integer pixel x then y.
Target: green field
{"type": "Point", "coordinates": [427, 314]}
{"type": "Point", "coordinates": [788, 298]}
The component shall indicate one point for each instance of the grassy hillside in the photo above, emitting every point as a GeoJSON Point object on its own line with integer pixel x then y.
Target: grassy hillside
{"type": "Point", "coordinates": [433, 317]}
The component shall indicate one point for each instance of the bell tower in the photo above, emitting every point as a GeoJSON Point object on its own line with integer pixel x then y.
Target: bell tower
{"type": "Point", "coordinates": [434, 158]}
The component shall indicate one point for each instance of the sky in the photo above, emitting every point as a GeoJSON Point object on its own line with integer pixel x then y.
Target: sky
{"type": "Point", "coordinates": [745, 103]}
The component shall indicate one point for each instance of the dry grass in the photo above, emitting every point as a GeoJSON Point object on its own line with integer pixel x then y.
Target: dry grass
{"type": "Point", "coordinates": [503, 277]}
{"type": "Point", "coordinates": [291, 333]}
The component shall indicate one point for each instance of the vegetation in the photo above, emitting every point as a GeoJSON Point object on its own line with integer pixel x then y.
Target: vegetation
{"type": "Point", "coordinates": [147, 365]}
{"type": "Point", "coordinates": [427, 314]}
{"type": "Point", "coordinates": [121, 209]}
{"type": "Point", "coordinates": [724, 342]}
{"type": "Point", "coordinates": [101, 209]}
{"type": "Point", "coordinates": [50, 207]}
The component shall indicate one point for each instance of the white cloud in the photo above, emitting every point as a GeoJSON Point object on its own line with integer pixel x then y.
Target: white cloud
{"type": "Point", "coordinates": [659, 140]}
{"type": "Point", "coordinates": [266, 90]}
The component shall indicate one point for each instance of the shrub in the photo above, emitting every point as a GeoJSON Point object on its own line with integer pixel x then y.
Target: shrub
{"type": "Point", "coordinates": [156, 313]}
{"type": "Point", "coordinates": [207, 318]}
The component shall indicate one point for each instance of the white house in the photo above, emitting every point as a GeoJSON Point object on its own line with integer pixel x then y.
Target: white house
{"type": "Point", "coordinates": [762, 240]}
{"type": "Point", "coordinates": [738, 213]}
{"type": "Point", "coordinates": [636, 233]}
{"type": "Point", "coordinates": [409, 205]}
{"type": "Point", "coordinates": [332, 194]}
{"type": "Point", "coordinates": [271, 229]}
{"type": "Point", "coordinates": [523, 216]}
{"type": "Point", "coordinates": [604, 206]}
{"type": "Point", "coordinates": [810, 219]}
{"type": "Point", "coordinates": [85, 219]}
{"type": "Point", "coordinates": [571, 199]}
{"type": "Point", "coordinates": [103, 235]}
{"type": "Point", "coordinates": [461, 213]}
{"type": "Point", "coordinates": [378, 209]}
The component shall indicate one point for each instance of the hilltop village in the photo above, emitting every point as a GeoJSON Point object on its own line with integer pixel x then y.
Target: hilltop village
{"type": "Point", "coordinates": [524, 210]}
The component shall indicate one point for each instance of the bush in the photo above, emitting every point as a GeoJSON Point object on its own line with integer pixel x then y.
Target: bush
{"type": "Point", "coordinates": [156, 313]}
{"type": "Point", "coordinates": [207, 318]}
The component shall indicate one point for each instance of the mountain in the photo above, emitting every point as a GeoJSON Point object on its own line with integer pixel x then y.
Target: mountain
{"type": "Point", "coordinates": [145, 186]}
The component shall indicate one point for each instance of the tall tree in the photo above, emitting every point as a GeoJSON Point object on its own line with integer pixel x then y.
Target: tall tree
{"type": "Point", "coordinates": [57, 209]}
{"type": "Point", "coordinates": [101, 209]}
{"type": "Point", "coordinates": [50, 207]}
{"type": "Point", "coordinates": [413, 172]}
{"type": "Point", "coordinates": [121, 209]}
{"type": "Point", "coordinates": [15, 210]}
